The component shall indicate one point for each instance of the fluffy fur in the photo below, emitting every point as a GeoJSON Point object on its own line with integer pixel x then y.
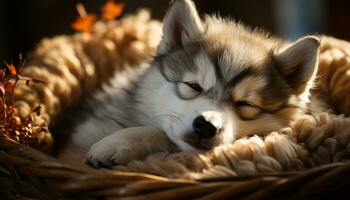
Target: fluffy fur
{"type": "Point", "coordinates": [216, 72]}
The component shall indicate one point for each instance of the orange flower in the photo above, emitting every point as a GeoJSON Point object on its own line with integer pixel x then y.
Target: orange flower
{"type": "Point", "coordinates": [85, 21]}
{"type": "Point", "coordinates": [11, 67]}
{"type": "Point", "coordinates": [111, 10]}
{"type": "Point", "coordinates": [84, 24]}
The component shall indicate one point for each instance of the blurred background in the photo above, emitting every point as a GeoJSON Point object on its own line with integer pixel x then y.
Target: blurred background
{"type": "Point", "coordinates": [25, 22]}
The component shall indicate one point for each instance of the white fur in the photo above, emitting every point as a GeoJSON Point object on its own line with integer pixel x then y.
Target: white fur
{"type": "Point", "coordinates": [206, 74]}
{"type": "Point", "coordinates": [183, 111]}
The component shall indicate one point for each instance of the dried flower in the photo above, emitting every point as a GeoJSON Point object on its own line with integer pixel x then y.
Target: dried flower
{"type": "Point", "coordinates": [112, 10]}
{"type": "Point", "coordinates": [84, 21]}
{"type": "Point", "coordinates": [19, 129]}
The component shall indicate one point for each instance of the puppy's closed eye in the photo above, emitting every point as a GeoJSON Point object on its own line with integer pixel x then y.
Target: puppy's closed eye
{"type": "Point", "coordinates": [188, 90]}
{"type": "Point", "coordinates": [247, 110]}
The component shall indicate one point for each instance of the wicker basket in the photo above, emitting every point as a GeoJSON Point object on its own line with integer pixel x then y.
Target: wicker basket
{"type": "Point", "coordinates": [27, 173]}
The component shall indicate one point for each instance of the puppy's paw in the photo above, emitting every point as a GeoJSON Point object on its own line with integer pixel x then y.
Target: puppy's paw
{"type": "Point", "coordinates": [126, 145]}
{"type": "Point", "coordinates": [107, 153]}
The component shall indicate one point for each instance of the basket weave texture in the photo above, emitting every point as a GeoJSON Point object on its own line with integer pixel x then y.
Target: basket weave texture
{"type": "Point", "coordinates": [306, 159]}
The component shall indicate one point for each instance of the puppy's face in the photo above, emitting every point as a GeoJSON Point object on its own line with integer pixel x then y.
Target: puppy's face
{"type": "Point", "coordinates": [221, 81]}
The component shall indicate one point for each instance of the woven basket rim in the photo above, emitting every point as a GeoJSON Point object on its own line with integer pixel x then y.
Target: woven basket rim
{"type": "Point", "coordinates": [35, 174]}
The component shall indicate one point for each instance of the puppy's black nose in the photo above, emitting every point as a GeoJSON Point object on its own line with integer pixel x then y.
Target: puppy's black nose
{"type": "Point", "coordinates": [203, 128]}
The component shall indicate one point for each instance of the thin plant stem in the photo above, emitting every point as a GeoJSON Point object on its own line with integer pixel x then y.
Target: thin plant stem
{"type": "Point", "coordinates": [13, 96]}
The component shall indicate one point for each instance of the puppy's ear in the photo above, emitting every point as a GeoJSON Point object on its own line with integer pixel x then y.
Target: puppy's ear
{"type": "Point", "coordinates": [298, 62]}
{"type": "Point", "coordinates": [182, 25]}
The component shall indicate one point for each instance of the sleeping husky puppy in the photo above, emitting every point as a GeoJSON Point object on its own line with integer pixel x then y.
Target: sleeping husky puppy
{"type": "Point", "coordinates": [211, 81]}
